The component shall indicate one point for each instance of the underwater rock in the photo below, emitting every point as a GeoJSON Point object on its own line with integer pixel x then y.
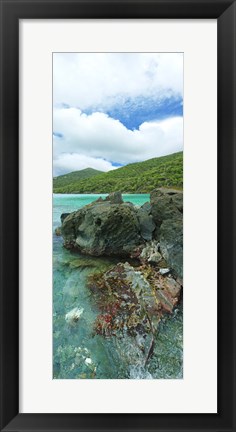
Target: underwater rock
{"type": "Point", "coordinates": [139, 372]}
{"type": "Point", "coordinates": [88, 361]}
{"type": "Point", "coordinates": [58, 231]}
{"type": "Point", "coordinates": [74, 362]}
{"type": "Point", "coordinates": [132, 299]}
{"type": "Point", "coordinates": [82, 263]}
{"type": "Point", "coordinates": [74, 315]}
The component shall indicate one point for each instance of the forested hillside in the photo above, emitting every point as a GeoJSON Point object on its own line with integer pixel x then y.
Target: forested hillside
{"type": "Point", "coordinates": [140, 177]}
{"type": "Point", "coordinates": [66, 179]}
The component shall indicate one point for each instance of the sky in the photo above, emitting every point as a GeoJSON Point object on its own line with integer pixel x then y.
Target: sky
{"type": "Point", "coordinates": [111, 109]}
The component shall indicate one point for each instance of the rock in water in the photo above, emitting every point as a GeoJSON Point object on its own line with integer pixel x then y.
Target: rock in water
{"type": "Point", "coordinates": [63, 216]}
{"type": "Point", "coordinates": [58, 231]}
{"type": "Point", "coordinates": [132, 299]}
{"type": "Point", "coordinates": [114, 228]}
{"type": "Point", "coordinates": [102, 228]}
{"type": "Point", "coordinates": [74, 315]}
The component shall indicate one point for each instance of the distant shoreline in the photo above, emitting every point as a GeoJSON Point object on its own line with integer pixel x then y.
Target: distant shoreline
{"type": "Point", "coordinates": [107, 193]}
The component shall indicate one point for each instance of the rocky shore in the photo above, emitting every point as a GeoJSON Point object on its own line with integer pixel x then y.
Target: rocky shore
{"type": "Point", "coordinates": [133, 295]}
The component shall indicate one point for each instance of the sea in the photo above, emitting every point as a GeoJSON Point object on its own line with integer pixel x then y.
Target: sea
{"type": "Point", "coordinates": [80, 353]}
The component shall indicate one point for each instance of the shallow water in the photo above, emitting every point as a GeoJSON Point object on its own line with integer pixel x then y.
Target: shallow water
{"type": "Point", "coordinates": [78, 352]}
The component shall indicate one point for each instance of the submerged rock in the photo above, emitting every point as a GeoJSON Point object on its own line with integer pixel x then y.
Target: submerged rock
{"type": "Point", "coordinates": [58, 231]}
{"type": "Point", "coordinates": [74, 362]}
{"type": "Point", "coordinates": [132, 300]}
{"type": "Point", "coordinates": [74, 315]}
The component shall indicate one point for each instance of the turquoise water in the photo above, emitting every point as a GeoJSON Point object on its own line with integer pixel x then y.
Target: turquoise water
{"type": "Point", "coordinates": [77, 352]}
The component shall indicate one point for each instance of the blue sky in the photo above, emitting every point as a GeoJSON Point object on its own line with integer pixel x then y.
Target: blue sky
{"type": "Point", "coordinates": [135, 111]}
{"type": "Point", "coordinates": [110, 109]}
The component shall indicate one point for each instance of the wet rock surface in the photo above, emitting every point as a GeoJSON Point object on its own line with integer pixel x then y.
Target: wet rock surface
{"type": "Point", "coordinates": [132, 302]}
{"type": "Point", "coordinates": [111, 227]}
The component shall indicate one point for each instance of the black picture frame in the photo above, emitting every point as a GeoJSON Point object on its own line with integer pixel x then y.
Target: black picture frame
{"type": "Point", "coordinates": [225, 13]}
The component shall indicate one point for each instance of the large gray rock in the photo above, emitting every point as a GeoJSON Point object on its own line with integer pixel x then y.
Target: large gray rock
{"type": "Point", "coordinates": [63, 216]}
{"type": "Point", "coordinates": [166, 204]}
{"type": "Point", "coordinates": [171, 244]}
{"type": "Point", "coordinates": [102, 228]}
{"type": "Point", "coordinates": [113, 227]}
{"type": "Point", "coordinates": [147, 225]}
{"type": "Point", "coordinates": [167, 212]}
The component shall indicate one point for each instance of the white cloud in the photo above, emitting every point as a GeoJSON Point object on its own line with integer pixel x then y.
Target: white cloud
{"type": "Point", "coordinates": [97, 139]}
{"type": "Point", "coordinates": [68, 162]}
{"type": "Point", "coordinates": [101, 80]}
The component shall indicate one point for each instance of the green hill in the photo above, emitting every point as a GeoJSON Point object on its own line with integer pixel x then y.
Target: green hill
{"type": "Point", "coordinates": [73, 177]}
{"type": "Point", "coordinates": [140, 177]}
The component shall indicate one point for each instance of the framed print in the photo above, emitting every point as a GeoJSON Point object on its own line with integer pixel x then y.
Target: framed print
{"type": "Point", "coordinates": [115, 333]}
{"type": "Point", "coordinates": [117, 234]}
